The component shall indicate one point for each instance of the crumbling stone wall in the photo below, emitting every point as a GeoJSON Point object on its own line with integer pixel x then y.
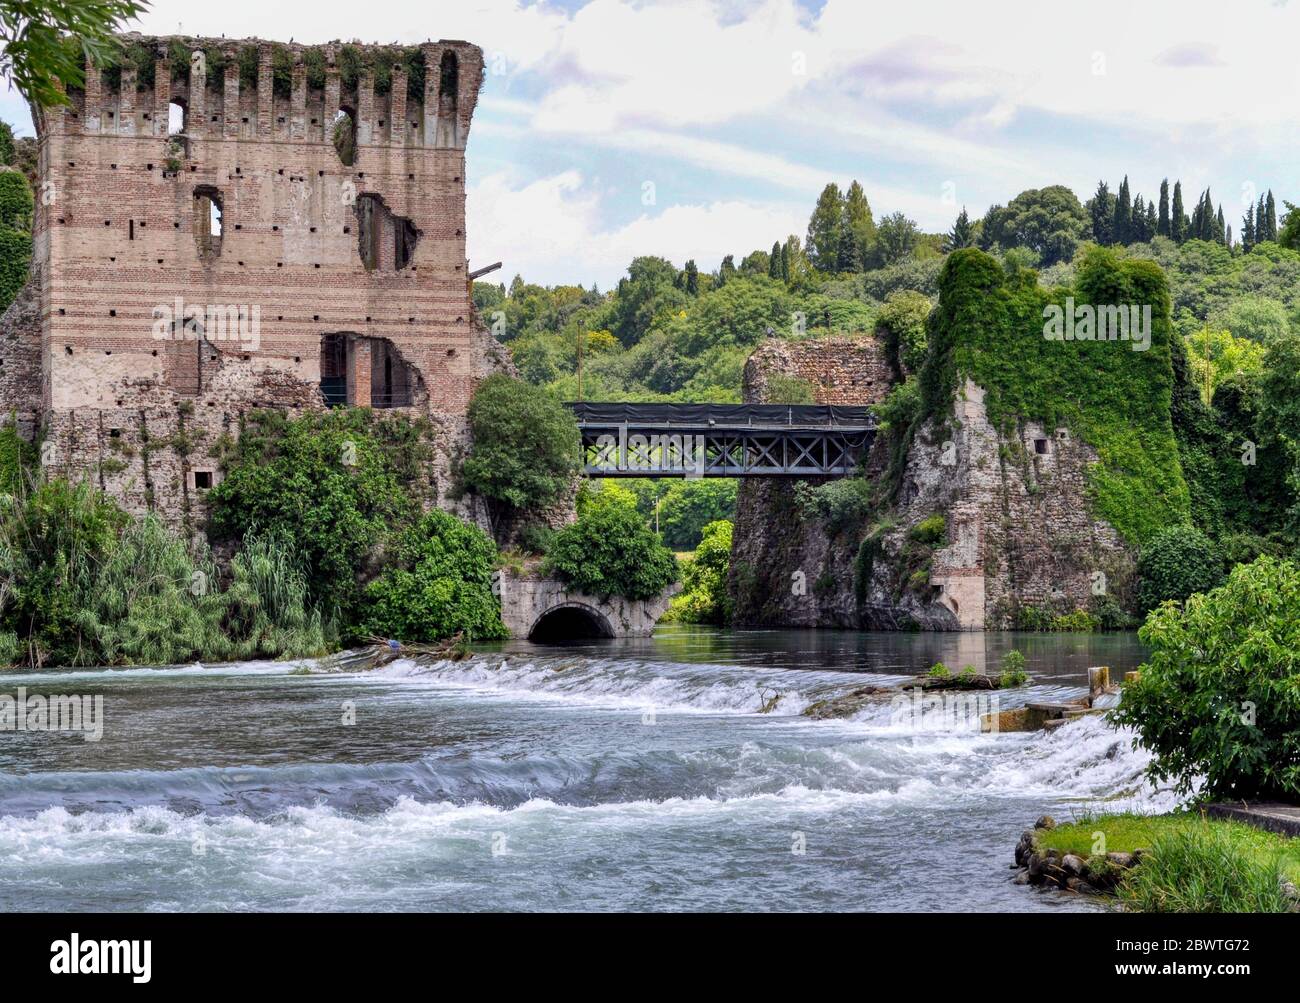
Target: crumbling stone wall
{"type": "Point", "coordinates": [786, 570]}
{"type": "Point", "coordinates": [1018, 529]}
{"type": "Point", "coordinates": [122, 249]}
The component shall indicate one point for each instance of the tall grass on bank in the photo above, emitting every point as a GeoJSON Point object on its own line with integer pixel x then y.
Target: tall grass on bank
{"type": "Point", "coordinates": [83, 583]}
{"type": "Point", "coordinates": [1205, 868]}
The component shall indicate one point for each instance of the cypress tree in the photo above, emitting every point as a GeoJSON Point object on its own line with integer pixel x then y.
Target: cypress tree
{"type": "Point", "coordinates": [1162, 224]}
{"type": "Point", "coordinates": [1270, 216]}
{"type": "Point", "coordinates": [1248, 229]}
{"type": "Point", "coordinates": [692, 278]}
{"type": "Point", "coordinates": [1178, 219]}
{"type": "Point", "coordinates": [1153, 225]}
{"type": "Point", "coordinates": [1220, 233]}
{"type": "Point", "coordinates": [1120, 230]}
{"type": "Point", "coordinates": [774, 261]}
{"type": "Point", "coordinates": [1137, 229]}
{"type": "Point", "coordinates": [727, 270]}
{"type": "Point", "coordinates": [785, 262]}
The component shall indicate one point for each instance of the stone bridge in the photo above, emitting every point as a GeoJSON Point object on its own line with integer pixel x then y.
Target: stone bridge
{"type": "Point", "coordinates": [546, 609]}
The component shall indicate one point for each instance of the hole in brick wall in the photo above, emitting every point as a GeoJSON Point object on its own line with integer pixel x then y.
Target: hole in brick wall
{"type": "Point", "coordinates": [207, 221]}
{"type": "Point", "coordinates": [1040, 446]}
{"type": "Point", "coordinates": [130, 229]}
{"type": "Point", "coordinates": [202, 479]}
{"type": "Point", "coordinates": [344, 134]}
{"type": "Point", "coordinates": [177, 114]}
{"type": "Point", "coordinates": [381, 233]}
{"type": "Point", "coordinates": [114, 433]}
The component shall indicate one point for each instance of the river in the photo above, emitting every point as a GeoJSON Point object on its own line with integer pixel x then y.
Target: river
{"type": "Point", "coordinates": [615, 775]}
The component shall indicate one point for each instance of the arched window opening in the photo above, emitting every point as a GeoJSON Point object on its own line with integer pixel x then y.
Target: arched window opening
{"type": "Point", "coordinates": [345, 136]}
{"type": "Point", "coordinates": [208, 213]}
{"type": "Point", "coordinates": [177, 118]}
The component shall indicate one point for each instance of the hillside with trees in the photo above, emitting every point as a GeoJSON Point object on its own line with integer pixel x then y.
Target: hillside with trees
{"type": "Point", "coordinates": [670, 333]}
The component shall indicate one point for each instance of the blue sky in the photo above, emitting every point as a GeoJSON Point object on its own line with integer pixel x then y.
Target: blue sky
{"type": "Point", "coordinates": [611, 128]}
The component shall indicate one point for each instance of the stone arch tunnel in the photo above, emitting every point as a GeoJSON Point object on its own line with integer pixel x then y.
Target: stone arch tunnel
{"type": "Point", "coordinates": [547, 610]}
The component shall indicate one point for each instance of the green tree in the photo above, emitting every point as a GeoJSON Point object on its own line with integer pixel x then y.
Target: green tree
{"type": "Point", "coordinates": [525, 453]}
{"type": "Point", "coordinates": [1048, 221]}
{"type": "Point", "coordinates": [32, 33]}
{"type": "Point", "coordinates": [1123, 218]}
{"type": "Point", "coordinates": [897, 238]}
{"type": "Point", "coordinates": [1214, 701]}
{"type": "Point", "coordinates": [1178, 219]}
{"type": "Point", "coordinates": [826, 229]}
{"type": "Point", "coordinates": [857, 231]}
{"type": "Point", "coordinates": [1289, 236]}
{"type": "Point", "coordinates": [648, 293]}
{"type": "Point", "coordinates": [961, 235]}
{"type": "Point", "coordinates": [704, 597]}
{"type": "Point", "coordinates": [611, 552]}
{"type": "Point", "coordinates": [775, 261]}
{"type": "Point", "coordinates": [439, 584]}
{"type": "Point", "coordinates": [690, 505]}
{"type": "Point", "coordinates": [1101, 212]}
{"type": "Point", "coordinates": [1175, 563]}
{"type": "Point", "coordinates": [1162, 222]}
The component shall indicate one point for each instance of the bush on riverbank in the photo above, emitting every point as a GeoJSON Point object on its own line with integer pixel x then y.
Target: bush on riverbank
{"type": "Point", "coordinates": [439, 585]}
{"type": "Point", "coordinates": [1217, 699]}
{"type": "Point", "coordinates": [339, 483]}
{"type": "Point", "coordinates": [1176, 563]}
{"type": "Point", "coordinates": [610, 551]}
{"type": "Point", "coordinates": [704, 597]}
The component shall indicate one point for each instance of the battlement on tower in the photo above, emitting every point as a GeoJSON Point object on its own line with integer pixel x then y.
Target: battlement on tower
{"type": "Point", "coordinates": [232, 224]}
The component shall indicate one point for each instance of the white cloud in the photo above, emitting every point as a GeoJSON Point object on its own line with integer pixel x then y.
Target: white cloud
{"type": "Point", "coordinates": [550, 230]}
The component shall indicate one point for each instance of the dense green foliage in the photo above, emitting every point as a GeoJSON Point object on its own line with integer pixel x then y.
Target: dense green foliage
{"type": "Point", "coordinates": [1175, 563]}
{"type": "Point", "coordinates": [610, 551]}
{"type": "Point", "coordinates": [15, 233]}
{"type": "Point", "coordinates": [1050, 222]}
{"type": "Point", "coordinates": [1218, 697]}
{"type": "Point", "coordinates": [84, 584]}
{"type": "Point", "coordinates": [989, 326]}
{"type": "Point", "coordinates": [526, 447]}
{"type": "Point", "coordinates": [437, 584]}
{"type": "Point", "coordinates": [335, 482]}
{"type": "Point", "coordinates": [704, 597]}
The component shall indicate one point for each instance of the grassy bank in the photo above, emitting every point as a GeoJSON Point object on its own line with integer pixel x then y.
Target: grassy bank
{"type": "Point", "coordinates": [1188, 863]}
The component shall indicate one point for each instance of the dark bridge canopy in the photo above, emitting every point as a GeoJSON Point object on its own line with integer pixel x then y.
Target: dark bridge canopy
{"type": "Point", "coordinates": [722, 440]}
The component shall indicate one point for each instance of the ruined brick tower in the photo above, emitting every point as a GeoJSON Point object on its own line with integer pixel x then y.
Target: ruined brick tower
{"type": "Point", "coordinates": [223, 225]}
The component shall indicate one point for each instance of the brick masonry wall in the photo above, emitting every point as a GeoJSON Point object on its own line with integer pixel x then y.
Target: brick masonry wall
{"type": "Point", "coordinates": [117, 255]}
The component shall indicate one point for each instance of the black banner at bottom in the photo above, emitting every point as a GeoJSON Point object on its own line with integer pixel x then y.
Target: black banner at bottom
{"type": "Point", "coordinates": [333, 952]}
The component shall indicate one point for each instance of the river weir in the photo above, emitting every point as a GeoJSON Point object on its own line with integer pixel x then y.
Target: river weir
{"type": "Point", "coordinates": [676, 772]}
